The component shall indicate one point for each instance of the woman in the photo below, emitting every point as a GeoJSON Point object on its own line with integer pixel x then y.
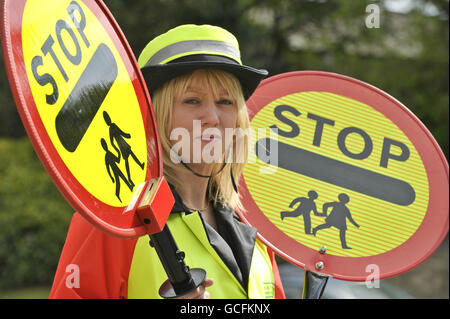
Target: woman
{"type": "Point", "coordinates": [199, 87]}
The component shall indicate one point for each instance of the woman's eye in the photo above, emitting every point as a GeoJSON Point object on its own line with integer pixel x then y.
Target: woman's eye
{"type": "Point", "coordinates": [225, 102]}
{"type": "Point", "coordinates": [191, 101]}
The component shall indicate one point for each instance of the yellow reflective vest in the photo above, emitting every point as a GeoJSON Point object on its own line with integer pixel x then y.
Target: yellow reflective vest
{"type": "Point", "coordinates": [111, 267]}
{"type": "Point", "coordinates": [147, 273]}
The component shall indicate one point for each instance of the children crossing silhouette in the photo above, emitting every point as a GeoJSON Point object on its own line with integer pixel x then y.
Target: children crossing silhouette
{"type": "Point", "coordinates": [337, 218]}
{"type": "Point", "coordinates": [111, 161]}
{"type": "Point", "coordinates": [117, 136]}
{"type": "Point", "coordinates": [306, 206]}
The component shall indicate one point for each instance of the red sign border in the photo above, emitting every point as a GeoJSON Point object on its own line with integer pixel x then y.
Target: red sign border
{"type": "Point", "coordinates": [412, 252]}
{"type": "Point", "coordinates": [97, 212]}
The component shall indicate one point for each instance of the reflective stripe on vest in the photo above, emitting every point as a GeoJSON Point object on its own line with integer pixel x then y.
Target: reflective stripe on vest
{"type": "Point", "coordinates": [147, 274]}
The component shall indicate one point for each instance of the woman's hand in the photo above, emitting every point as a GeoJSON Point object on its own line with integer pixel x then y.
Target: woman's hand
{"type": "Point", "coordinates": [200, 292]}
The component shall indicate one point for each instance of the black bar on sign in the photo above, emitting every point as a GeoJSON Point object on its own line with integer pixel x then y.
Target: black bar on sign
{"type": "Point", "coordinates": [338, 173]}
{"type": "Point", "coordinates": [87, 96]}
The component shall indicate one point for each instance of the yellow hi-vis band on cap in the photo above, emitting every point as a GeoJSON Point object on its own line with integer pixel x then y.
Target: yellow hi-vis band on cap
{"type": "Point", "coordinates": [188, 40]}
{"type": "Point", "coordinates": [184, 48]}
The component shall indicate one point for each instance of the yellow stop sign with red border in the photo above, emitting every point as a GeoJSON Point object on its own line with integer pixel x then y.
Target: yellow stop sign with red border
{"type": "Point", "coordinates": [338, 164]}
{"type": "Point", "coordinates": [84, 105]}
{"type": "Point", "coordinates": [80, 84]}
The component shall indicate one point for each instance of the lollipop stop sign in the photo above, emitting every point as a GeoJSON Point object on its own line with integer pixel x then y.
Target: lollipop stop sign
{"type": "Point", "coordinates": [87, 111]}
{"type": "Point", "coordinates": [342, 176]}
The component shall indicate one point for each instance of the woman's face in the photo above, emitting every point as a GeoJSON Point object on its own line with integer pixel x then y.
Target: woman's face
{"type": "Point", "coordinates": [204, 116]}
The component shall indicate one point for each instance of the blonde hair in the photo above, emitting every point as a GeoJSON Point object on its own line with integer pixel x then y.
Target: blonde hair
{"type": "Point", "coordinates": [220, 187]}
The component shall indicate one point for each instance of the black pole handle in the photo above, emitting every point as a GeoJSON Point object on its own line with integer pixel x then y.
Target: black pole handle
{"type": "Point", "coordinates": [181, 277]}
{"type": "Point", "coordinates": [314, 285]}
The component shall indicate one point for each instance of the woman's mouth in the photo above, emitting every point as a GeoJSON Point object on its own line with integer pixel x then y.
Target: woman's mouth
{"type": "Point", "coordinates": [209, 138]}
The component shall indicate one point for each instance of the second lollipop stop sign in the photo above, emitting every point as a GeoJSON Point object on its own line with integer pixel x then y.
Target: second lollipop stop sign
{"type": "Point", "coordinates": [338, 164]}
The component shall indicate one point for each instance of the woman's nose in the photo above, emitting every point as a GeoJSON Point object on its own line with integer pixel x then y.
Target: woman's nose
{"type": "Point", "coordinates": [210, 114]}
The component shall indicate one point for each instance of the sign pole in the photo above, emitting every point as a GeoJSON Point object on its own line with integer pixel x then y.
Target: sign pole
{"type": "Point", "coordinates": [182, 278]}
{"type": "Point", "coordinates": [314, 285]}
{"type": "Point", "coordinates": [156, 200]}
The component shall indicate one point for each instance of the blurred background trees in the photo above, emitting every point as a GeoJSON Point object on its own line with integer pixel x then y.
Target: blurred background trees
{"type": "Point", "coordinates": [407, 57]}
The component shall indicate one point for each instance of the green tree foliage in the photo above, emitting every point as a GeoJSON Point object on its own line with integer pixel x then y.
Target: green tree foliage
{"type": "Point", "coordinates": [34, 217]}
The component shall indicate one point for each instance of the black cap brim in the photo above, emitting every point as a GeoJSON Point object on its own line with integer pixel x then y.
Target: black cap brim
{"type": "Point", "coordinates": [156, 75]}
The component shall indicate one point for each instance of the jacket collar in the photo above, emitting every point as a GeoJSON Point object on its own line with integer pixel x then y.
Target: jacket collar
{"type": "Point", "coordinates": [240, 238]}
{"type": "Point", "coordinates": [179, 206]}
